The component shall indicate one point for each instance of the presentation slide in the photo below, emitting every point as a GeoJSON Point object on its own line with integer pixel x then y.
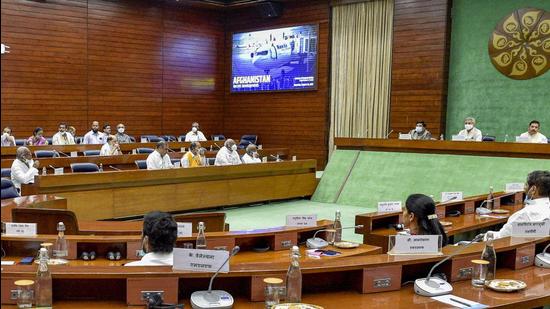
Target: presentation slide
{"type": "Point", "coordinates": [279, 59]}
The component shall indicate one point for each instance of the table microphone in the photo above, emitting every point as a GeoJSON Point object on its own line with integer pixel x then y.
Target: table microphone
{"type": "Point", "coordinates": [388, 135]}
{"type": "Point", "coordinates": [116, 169]}
{"type": "Point", "coordinates": [543, 259]}
{"type": "Point", "coordinates": [170, 149]}
{"type": "Point", "coordinates": [61, 152]}
{"type": "Point", "coordinates": [52, 167]}
{"type": "Point", "coordinates": [482, 210]}
{"type": "Point", "coordinates": [277, 159]}
{"type": "Point", "coordinates": [214, 298]}
{"type": "Point", "coordinates": [218, 146]}
{"type": "Point", "coordinates": [435, 286]}
{"type": "Point", "coordinates": [318, 243]}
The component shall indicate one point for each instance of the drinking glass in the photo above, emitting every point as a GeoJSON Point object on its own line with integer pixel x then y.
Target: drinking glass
{"type": "Point", "coordinates": [25, 293]}
{"type": "Point", "coordinates": [479, 272]}
{"type": "Point", "coordinates": [273, 287]}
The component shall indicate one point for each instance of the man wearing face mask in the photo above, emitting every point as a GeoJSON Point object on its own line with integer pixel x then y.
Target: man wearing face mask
{"type": "Point", "coordinates": [228, 154]}
{"type": "Point", "coordinates": [23, 168]}
{"type": "Point", "coordinates": [94, 136]}
{"type": "Point", "coordinates": [159, 159]}
{"type": "Point", "coordinates": [195, 135]}
{"type": "Point", "coordinates": [7, 139]}
{"type": "Point", "coordinates": [537, 203]}
{"type": "Point", "coordinates": [470, 132]}
{"type": "Point", "coordinates": [120, 135]}
{"type": "Point", "coordinates": [193, 157]}
{"type": "Point", "coordinates": [420, 131]}
{"type": "Point", "coordinates": [159, 236]}
{"type": "Point", "coordinates": [251, 155]}
{"type": "Point", "coordinates": [62, 137]}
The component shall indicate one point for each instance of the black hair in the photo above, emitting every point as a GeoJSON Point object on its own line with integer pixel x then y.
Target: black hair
{"type": "Point", "coordinates": [193, 145]}
{"type": "Point", "coordinates": [110, 138]}
{"type": "Point", "coordinates": [162, 231]}
{"type": "Point", "coordinates": [540, 179]}
{"type": "Point", "coordinates": [421, 122]}
{"type": "Point", "coordinates": [423, 206]}
{"type": "Point", "coordinates": [36, 131]}
{"type": "Point", "coordinates": [532, 178]}
{"type": "Point", "coordinates": [63, 124]}
{"type": "Point", "coordinates": [534, 121]}
{"type": "Point", "coordinates": [106, 125]}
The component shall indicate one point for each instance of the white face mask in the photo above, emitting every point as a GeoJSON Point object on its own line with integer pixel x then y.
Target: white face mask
{"type": "Point", "coordinates": [120, 130]}
{"type": "Point", "coordinates": [194, 129]}
{"type": "Point", "coordinates": [419, 129]}
{"type": "Point", "coordinates": [234, 147]}
{"type": "Point", "coordinates": [468, 126]}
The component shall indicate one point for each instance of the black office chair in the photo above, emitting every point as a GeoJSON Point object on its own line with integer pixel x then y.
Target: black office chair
{"type": "Point", "coordinates": [46, 154]}
{"type": "Point", "coordinates": [488, 138]}
{"type": "Point", "coordinates": [50, 140]}
{"type": "Point", "coordinates": [20, 142]}
{"type": "Point", "coordinates": [84, 167]}
{"type": "Point", "coordinates": [174, 161]}
{"type": "Point", "coordinates": [181, 138]}
{"type": "Point", "coordinates": [132, 139]}
{"type": "Point", "coordinates": [218, 137]}
{"type": "Point", "coordinates": [78, 139]}
{"type": "Point", "coordinates": [144, 150]}
{"type": "Point", "coordinates": [6, 173]}
{"type": "Point", "coordinates": [211, 161]}
{"type": "Point", "coordinates": [169, 138]}
{"type": "Point", "coordinates": [152, 138]}
{"type": "Point", "coordinates": [94, 152]}
{"type": "Point", "coordinates": [8, 189]}
{"type": "Point", "coordinates": [246, 140]}
{"type": "Point", "coordinates": [141, 164]}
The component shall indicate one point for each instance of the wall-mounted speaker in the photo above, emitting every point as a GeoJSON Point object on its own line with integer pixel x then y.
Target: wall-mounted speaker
{"type": "Point", "coordinates": [270, 9]}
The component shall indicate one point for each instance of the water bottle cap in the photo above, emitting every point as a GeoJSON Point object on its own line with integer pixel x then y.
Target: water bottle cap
{"type": "Point", "coordinates": [60, 226]}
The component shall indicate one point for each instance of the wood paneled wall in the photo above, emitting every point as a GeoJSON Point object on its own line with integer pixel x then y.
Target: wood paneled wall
{"type": "Point", "coordinates": [155, 68]}
{"type": "Point", "coordinates": [421, 39]}
{"type": "Point", "coordinates": [298, 120]}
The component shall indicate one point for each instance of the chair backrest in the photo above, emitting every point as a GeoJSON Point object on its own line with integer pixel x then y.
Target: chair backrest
{"type": "Point", "coordinates": [46, 219]}
{"type": "Point", "coordinates": [20, 142]}
{"type": "Point", "coordinates": [181, 138]}
{"type": "Point", "coordinates": [169, 138]}
{"type": "Point", "coordinates": [8, 189]}
{"type": "Point", "coordinates": [214, 221]}
{"type": "Point", "coordinates": [488, 138]}
{"type": "Point", "coordinates": [141, 164]}
{"type": "Point", "coordinates": [78, 139]}
{"type": "Point", "coordinates": [211, 161]}
{"type": "Point", "coordinates": [84, 167]}
{"type": "Point", "coordinates": [93, 152]}
{"type": "Point", "coordinates": [246, 140]}
{"type": "Point", "coordinates": [144, 150]}
{"type": "Point", "coordinates": [50, 140]}
{"type": "Point", "coordinates": [133, 139]}
{"type": "Point", "coordinates": [218, 137]}
{"type": "Point", "coordinates": [152, 138]}
{"type": "Point", "coordinates": [6, 172]}
{"type": "Point", "coordinates": [174, 161]}
{"type": "Point", "coordinates": [46, 154]}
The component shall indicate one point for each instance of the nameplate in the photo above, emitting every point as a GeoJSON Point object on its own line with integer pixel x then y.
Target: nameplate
{"type": "Point", "coordinates": [405, 136]}
{"type": "Point", "coordinates": [293, 158]}
{"type": "Point", "coordinates": [185, 229]}
{"type": "Point", "coordinates": [143, 140]}
{"type": "Point", "coordinates": [74, 154]}
{"type": "Point", "coordinates": [416, 244]}
{"type": "Point", "coordinates": [451, 196]}
{"type": "Point", "coordinates": [200, 260]}
{"type": "Point", "coordinates": [177, 164]}
{"type": "Point", "coordinates": [521, 139]}
{"type": "Point", "coordinates": [458, 138]}
{"type": "Point", "coordinates": [21, 229]}
{"type": "Point", "coordinates": [515, 187]}
{"type": "Point", "coordinates": [301, 220]}
{"type": "Point", "coordinates": [182, 149]}
{"type": "Point", "coordinates": [264, 159]}
{"type": "Point", "coordinates": [389, 206]}
{"type": "Point", "coordinates": [58, 171]}
{"type": "Point", "coordinates": [531, 229]}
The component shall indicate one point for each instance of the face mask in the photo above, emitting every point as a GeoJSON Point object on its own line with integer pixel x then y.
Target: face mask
{"type": "Point", "coordinates": [194, 129]}
{"type": "Point", "coordinates": [120, 130]}
{"type": "Point", "coordinates": [234, 147]}
{"type": "Point", "coordinates": [468, 126]}
{"type": "Point", "coordinates": [30, 162]}
{"type": "Point", "coordinates": [419, 129]}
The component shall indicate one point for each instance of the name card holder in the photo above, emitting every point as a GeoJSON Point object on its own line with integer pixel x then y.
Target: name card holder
{"type": "Point", "coordinates": [200, 260]}
{"type": "Point", "coordinates": [405, 136]}
{"type": "Point", "coordinates": [301, 220]}
{"type": "Point", "coordinates": [414, 245]}
{"type": "Point", "coordinates": [458, 138]}
{"type": "Point", "coordinates": [185, 229]}
{"type": "Point", "coordinates": [20, 229]}
{"type": "Point", "coordinates": [531, 229]}
{"type": "Point", "coordinates": [447, 197]}
{"type": "Point", "coordinates": [74, 154]}
{"type": "Point", "coordinates": [514, 187]}
{"type": "Point", "coordinates": [393, 206]}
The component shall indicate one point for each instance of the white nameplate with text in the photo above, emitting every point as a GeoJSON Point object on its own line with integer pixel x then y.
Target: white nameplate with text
{"type": "Point", "coordinates": [416, 244]}
{"type": "Point", "coordinates": [177, 164]}
{"type": "Point", "coordinates": [458, 138]}
{"type": "Point", "coordinates": [264, 159]}
{"type": "Point", "coordinates": [389, 206]}
{"type": "Point", "coordinates": [21, 229]}
{"type": "Point", "coordinates": [58, 171]}
{"type": "Point", "coordinates": [185, 229]}
{"type": "Point", "coordinates": [451, 196]}
{"type": "Point", "coordinates": [405, 136]}
{"type": "Point", "coordinates": [520, 139]}
{"type": "Point", "coordinates": [143, 140]}
{"type": "Point", "coordinates": [531, 229]}
{"type": "Point", "coordinates": [200, 260]}
{"type": "Point", "coordinates": [514, 187]}
{"type": "Point", "coordinates": [74, 154]}
{"type": "Point", "coordinates": [301, 220]}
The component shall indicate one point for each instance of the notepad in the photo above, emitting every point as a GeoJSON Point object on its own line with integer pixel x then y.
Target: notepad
{"type": "Point", "coordinates": [458, 302]}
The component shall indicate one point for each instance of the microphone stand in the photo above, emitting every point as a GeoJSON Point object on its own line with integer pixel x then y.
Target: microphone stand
{"type": "Point", "coordinates": [116, 169]}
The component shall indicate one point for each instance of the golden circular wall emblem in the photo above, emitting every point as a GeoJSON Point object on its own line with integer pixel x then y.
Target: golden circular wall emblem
{"type": "Point", "coordinates": [519, 46]}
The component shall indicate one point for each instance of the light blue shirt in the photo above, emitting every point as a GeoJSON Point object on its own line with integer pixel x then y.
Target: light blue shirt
{"type": "Point", "coordinates": [94, 138]}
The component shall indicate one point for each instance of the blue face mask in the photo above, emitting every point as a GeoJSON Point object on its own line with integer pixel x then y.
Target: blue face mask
{"type": "Point", "coordinates": [528, 200]}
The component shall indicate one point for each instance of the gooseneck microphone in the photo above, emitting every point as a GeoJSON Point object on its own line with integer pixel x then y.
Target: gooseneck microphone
{"type": "Point", "coordinates": [318, 243]}
{"type": "Point", "coordinates": [388, 135]}
{"type": "Point", "coordinates": [217, 146]}
{"type": "Point", "coordinates": [61, 152]}
{"type": "Point", "coordinates": [116, 169]}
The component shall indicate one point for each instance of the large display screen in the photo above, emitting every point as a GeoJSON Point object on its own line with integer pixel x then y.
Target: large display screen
{"type": "Point", "coordinates": [279, 59]}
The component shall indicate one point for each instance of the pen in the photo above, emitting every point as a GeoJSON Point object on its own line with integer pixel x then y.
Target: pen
{"type": "Point", "coordinates": [458, 301]}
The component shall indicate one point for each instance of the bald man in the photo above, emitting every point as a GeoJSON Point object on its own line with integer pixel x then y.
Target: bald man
{"type": "Point", "coordinates": [23, 168]}
{"type": "Point", "coordinates": [251, 155]}
{"type": "Point", "coordinates": [228, 154]}
{"type": "Point", "coordinates": [94, 136]}
{"type": "Point", "coordinates": [195, 135]}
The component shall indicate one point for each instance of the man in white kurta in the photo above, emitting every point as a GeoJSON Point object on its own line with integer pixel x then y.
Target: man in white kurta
{"type": "Point", "coordinates": [251, 156]}
{"type": "Point", "coordinates": [195, 135]}
{"type": "Point", "coordinates": [470, 132]}
{"type": "Point", "coordinates": [23, 168]}
{"type": "Point", "coordinates": [62, 137]}
{"type": "Point", "coordinates": [228, 154]}
{"type": "Point", "coordinates": [159, 159]}
{"type": "Point", "coordinates": [537, 207]}
{"type": "Point", "coordinates": [533, 135]}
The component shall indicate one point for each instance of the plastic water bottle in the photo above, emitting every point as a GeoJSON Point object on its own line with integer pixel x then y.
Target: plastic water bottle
{"type": "Point", "coordinates": [506, 138]}
{"type": "Point", "coordinates": [60, 250]}
{"type": "Point", "coordinates": [490, 199]}
{"type": "Point", "coordinates": [101, 167]}
{"type": "Point", "coordinates": [490, 256]}
{"type": "Point", "coordinates": [43, 281]}
{"type": "Point", "coordinates": [294, 277]}
{"type": "Point", "coordinates": [441, 137]}
{"type": "Point", "coordinates": [337, 226]}
{"type": "Point", "coordinates": [201, 238]}
{"type": "Point", "coordinates": [44, 172]}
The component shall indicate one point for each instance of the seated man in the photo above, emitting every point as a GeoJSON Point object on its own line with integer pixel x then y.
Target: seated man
{"type": "Point", "coordinates": [159, 236]}
{"type": "Point", "coordinates": [537, 204]}
{"type": "Point", "coordinates": [121, 136]}
{"type": "Point", "coordinates": [7, 139]}
{"type": "Point", "coordinates": [106, 132]}
{"type": "Point", "coordinates": [420, 131]}
{"type": "Point", "coordinates": [470, 132]}
{"type": "Point", "coordinates": [251, 155]}
{"type": "Point", "coordinates": [193, 157]}
{"type": "Point", "coordinates": [195, 135]}
{"type": "Point", "coordinates": [62, 137]}
{"type": "Point", "coordinates": [159, 159]}
{"type": "Point", "coordinates": [23, 168]}
{"type": "Point", "coordinates": [228, 155]}
{"type": "Point", "coordinates": [111, 147]}
{"type": "Point", "coordinates": [533, 135]}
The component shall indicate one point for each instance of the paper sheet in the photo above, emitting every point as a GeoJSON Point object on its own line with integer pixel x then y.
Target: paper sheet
{"type": "Point", "coordinates": [456, 301]}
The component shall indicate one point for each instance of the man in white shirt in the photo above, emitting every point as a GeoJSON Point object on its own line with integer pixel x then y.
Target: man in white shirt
{"type": "Point", "coordinates": [111, 147]}
{"type": "Point", "coordinates": [195, 135]}
{"type": "Point", "coordinates": [537, 204]}
{"type": "Point", "coordinates": [94, 136]}
{"type": "Point", "coordinates": [7, 139]}
{"type": "Point", "coordinates": [533, 135]}
{"type": "Point", "coordinates": [106, 132]}
{"type": "Point", "coordinates": [228, 155]}
{"type": "Point", "coordinates": [251, 155]}
{"type": "Point", "coordinates": [158, 238]}
{"type": "Point", "coordinates": [62, 137]}
{"type": "Point", "coordinates": [159, 159]}
{"type": "Point", "coordinates": [470, 132]}
{"type": "Point", "coordinates": [23, 168]}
